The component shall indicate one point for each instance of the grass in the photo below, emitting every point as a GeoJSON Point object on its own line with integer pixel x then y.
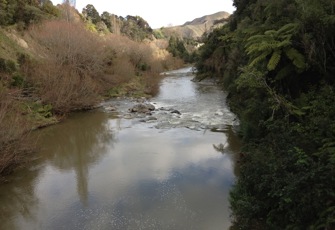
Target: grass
{"type": "Point", "coordinates": [8, 47]}
{"type": "Point", "coordinates": [37, 114]}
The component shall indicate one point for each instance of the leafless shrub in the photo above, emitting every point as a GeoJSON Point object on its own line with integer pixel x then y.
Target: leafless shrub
{"type": "Point", "coordinates": [73, 61]}
{"type": "Point", "coordinates": [77, 65]}
{"type": "Point", "coordinates": [134, 59]}
{"type": "Point", "coordinates": [13, 133]}
{"type": "Point", "coordinates": [122, 70]}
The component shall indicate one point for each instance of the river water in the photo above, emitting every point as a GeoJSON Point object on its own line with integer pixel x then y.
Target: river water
{"type": "Point", "coordinates": [115, 170]}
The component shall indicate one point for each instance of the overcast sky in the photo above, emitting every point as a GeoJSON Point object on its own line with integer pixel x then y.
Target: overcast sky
{"type": "Point", "coordinates": [158, 13]}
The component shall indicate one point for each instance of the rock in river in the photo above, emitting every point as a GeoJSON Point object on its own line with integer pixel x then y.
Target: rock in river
{"type": "Point", "coordinates": [142, 108]}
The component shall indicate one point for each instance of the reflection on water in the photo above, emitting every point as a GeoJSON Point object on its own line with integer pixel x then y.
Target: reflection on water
{"type": "Point", "coordinates": [101, 172]}
{"type": "Point", "coordinates": [18, 199]}
{"type": "Point", "coordinates": [76, 144]}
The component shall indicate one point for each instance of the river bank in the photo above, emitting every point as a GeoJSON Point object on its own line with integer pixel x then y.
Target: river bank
{"type": "Point", "coordinates": [29, 114]}
{"type": "Point", "coordinates": [102, 169]}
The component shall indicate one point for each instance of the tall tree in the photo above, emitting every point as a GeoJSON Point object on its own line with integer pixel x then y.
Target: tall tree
{"type": "Point", "coordinates": [91, 14]}
{"type": "Point", "coordinates": [3, 12]}
{"type": "Point", "coordinates": [20, 10]}
{"type": "Point", "coordinates": [107, 19]}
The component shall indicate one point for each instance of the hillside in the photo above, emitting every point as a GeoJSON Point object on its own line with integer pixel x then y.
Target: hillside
{"type": "Point", "coordinates": [197, 27]}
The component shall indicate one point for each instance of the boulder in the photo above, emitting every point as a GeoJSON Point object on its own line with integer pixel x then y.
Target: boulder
{"type": "Point", "coordinates": [176, 112]}
{"type": "Point", "coordinates": [142, 108]}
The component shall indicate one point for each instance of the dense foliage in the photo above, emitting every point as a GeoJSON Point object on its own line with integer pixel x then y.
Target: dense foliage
{"type": "Point", "coordinates": [25, 12]}
{"type": "Point", "coordinates": [276, 59]}
{"type": "Point", "coordinates": [134, 27]}
{"type": "Point", "coordinates": [177, 47]}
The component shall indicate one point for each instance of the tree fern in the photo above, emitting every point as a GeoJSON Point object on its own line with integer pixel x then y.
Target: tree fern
{"type": "Point", "coordinates": [284, 43]}
{"type": "Point", "coordinates": [274, 60]}
{"type": "Point", "coordinates": [259, 47]}
{"type": "Point", "coordinates": [268, 47]}
{"type": "Point", "coordinates": [288, 29]}
{"type": "Point", "coordinates": [259, 58]}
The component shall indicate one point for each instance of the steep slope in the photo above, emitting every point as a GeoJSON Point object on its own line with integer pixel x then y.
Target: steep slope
{"type": "Point", "coordinates": [197, 27]}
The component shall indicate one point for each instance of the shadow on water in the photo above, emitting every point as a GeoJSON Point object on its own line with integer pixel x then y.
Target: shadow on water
{"type": "Point", "coordinates": [232, 146]}
{"type": "Point", "coordinates": [17, 197]}
{"type": "Point", "coordinates": [73, 145]}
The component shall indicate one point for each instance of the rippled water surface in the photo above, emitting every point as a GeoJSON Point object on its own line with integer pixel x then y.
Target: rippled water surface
{"type": "Point", "coordinates": [109, 170]}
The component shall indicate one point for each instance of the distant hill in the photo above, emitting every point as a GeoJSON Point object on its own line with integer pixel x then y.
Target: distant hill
{"type": "Point", "coordinates": [196, 28]}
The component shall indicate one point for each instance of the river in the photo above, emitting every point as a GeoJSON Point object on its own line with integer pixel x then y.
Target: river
{"type": "Point", "coordinates": [107, 169]}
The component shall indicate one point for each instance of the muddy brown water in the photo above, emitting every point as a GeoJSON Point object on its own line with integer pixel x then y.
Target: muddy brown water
{"type": "Point", "coordinates": [110, 170]}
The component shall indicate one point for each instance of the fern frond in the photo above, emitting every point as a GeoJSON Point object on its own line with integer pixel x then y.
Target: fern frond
{"type": "Point", "coordinates": [253, 47]}
{"type": "Point", "coordinates": [275, 45]}
{"type": "Point", "coordinates": [261, 47]}
{"type": "Point", "coordinates": [271, 33]}
{"type": "Point", "coordinates": [260, 58]}
{"type": "Point", "coordinates": [284, 43]}
{"type": "Point", "coordinates": [257, 37]}
{"type": "Point", "coordinates": [274, 60]}
{"type": "Point", "coordinates": [296, 57]}
{"type": "Point", "coordinates": [288, 28]}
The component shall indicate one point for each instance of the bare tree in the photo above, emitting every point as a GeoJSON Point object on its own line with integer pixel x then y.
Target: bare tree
{"type": "Point", "coordinates": [75, 60]}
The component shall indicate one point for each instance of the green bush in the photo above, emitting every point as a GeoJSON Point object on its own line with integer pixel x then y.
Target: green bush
{"type": "Point", "coordinates": [18, 80]}
{"type": "Point", "coordinates": [287, 178]}
{"type": "Point", "coordinates": [7, 66]}
{"type": "Point", "coordinates": [45, 111]}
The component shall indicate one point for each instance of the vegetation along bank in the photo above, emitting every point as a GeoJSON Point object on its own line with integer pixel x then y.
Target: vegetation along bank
{"type": "Point", "coordinates": [276, 59]}
{"type": "Point", "coordinates": [55, 60]}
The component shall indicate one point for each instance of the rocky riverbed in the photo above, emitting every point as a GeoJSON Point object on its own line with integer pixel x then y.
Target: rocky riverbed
{"type": "Point", "coordinates": [178, 110]}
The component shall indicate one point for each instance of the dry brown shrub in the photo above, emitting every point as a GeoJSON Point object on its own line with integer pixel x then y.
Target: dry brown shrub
{"type": "Point", "coordinates": [170, 63]}
{"type": "Point", "coordinates": [152, 81]}
{"type": "Point", "coordinates": [166, 60]}
{"type": "Point", "coordinates": [13, 133]}
{"type": "Point", "coordinates": [77, 65]}
{"type": "Point", "coordinates": [135, 59]}
{"type": "Point", "coordinates": [137, 52]}
{"type": "Point", "coordinates": [73, 64]}
{"type": "Point", "coordinates": [64, 88]}
{"type": "Point", "coordinates": [161, 44]}
{"type": "Point", "coordinates": [122, 70]}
